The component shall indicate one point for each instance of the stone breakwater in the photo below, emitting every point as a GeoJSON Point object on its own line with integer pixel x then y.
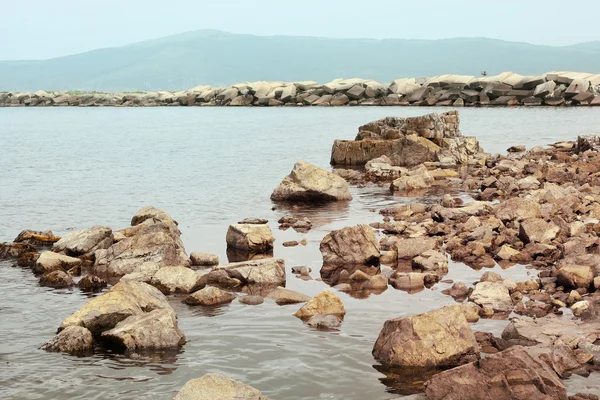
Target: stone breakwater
{"type": "Point", "coordinates": [505, 89]}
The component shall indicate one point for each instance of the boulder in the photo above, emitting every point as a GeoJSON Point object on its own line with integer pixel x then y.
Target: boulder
{"type": "Point", "coordinates": [209, 296]}
{"type": "Point", "coordinates": [15, 250]}
{"type": "Point", "coordinates": [575, 276]}
{"type": "Point", "coordinates": [350, 245]}
{"type": "Point", "coordinates": [157, 329]}
{"type": "Point", "coordinates": [121, 301]}
{"type": "Point", "coordinates": [283, 296]}
{"type": "Point", "coordinates": [536, 230]}
{"type": "Point", "coordinates": [253, 238]}
{"type": "Point", "coordinates": [517, 209]}
{"type": "Point", "coordinates": [268, 271]}
{"type": "Point", "coordinates": [84, 242]}
{"type": "Point", "coordinates": [307, 182]}
{"type": "Point", "coordinates": [36, 238]}
{"type": "Point", "coordinates": [153, 237]}
{"type": "Point", "coordinates": [198, 259]}
{"type": "Point", "coordinates": [142, 273]}
{"type": "Point", "coordinates": [440, 338]}
{"type": "Point", "coordinates": [510, 374]}
{"type": "Point", "coordinates": [177, 280]}
{"type": "Point", "coordinates": [323, 303]}
{"type": "Point", "coordinates": [50, 261]}
{"type": "Point", "coordinates": [217, 386]}
{"type": "Point", "coordinates": [72, 340]}
{"type": "Point", "coordinates": [492, 295]}
{"type": "Point", "coordinates": [431, 261]}
{"type": "Point", "coordinates": [550, 330]}
{"type": "Point", "coordinates": [57, 279]}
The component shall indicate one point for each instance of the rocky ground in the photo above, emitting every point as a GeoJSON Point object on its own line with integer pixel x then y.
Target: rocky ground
{"type": "Point", "coordinates": [538, 207]}
{"type": "Point", "coordinates": [505, 89]}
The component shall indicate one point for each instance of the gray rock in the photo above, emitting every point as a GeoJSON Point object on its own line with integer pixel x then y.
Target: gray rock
{"type": "Point", "coordinates": [177, 280]}
{"type": "Point", "coordinates": [85, 242]}
{"type": "Point", "coordinates": [269, 271]}
{"type": "Point", "coordinates": [325, 321]}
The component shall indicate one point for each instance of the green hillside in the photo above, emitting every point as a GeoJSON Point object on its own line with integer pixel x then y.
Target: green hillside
{"type": "Point", "coordinates": [219, 58]}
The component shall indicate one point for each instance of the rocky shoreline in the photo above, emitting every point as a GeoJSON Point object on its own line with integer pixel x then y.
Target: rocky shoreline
{"type": "Point", "coordinates": [536, 207]}
{"type": "Point", "coordinates": [506, 89]}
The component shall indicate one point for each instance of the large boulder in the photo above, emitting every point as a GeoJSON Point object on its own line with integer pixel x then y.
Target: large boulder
{"type": "Point", "coordinates": [253, 238]}
{"type": "Point", "coordinates": [85, 242]}
{"type": "Point", "coordinates": [308, 182]}
{"type": "Point", "coordinates": [157, 329]}
{"type": "Point", "coordinates": [177, 280]}
{"type": "Point", "coordinates": [440, 338]}
{"type": "Point", "coordinates": [73, 339]}
{"type": "Point", "coordinates": [350, 245]}
{"type": "Point", "coordinates": [154, 237]}
{"type": "Point", "coordinates": [492, 295]}
{"type": "Point", "coordinates": [217, 386]}
{"type": "Point", "coordinates": [511, 374]}
{"type": "Point", "coordinates": [268, 271]}
{"type": "Point", "coordinates": [121, 301]}
{"type": "Point", "coordinates": [325, 303]}
{"type": "Point", "coordinates": [50, 261]}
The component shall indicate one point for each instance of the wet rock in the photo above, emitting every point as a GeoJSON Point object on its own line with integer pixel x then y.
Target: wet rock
{"type": "Point", "coordinates": [36, 238]}
{"type": "Point", "coordinates": [492, 295]}
{"type": "Point", "coordinates": [91, 283]}
{"type": "Point", "coordinates": [177, 280]}
{"type": "Point", "coordinates": [153, 237]}
{"type": "Point", "coordinates": [217, 386]}
{"type": "Point", "coordinates": [459, 291]}
{"type": "Point", "coordinates": [440, 338]}
{"type": "Point", "coordinates": [269, 271]}
{"type": "Point", "coordinates": [575, 276]}
{"type": "Point", "coordinates": [431, 261]}
{"type": "Point", "coordinates": [209, 296]}
{"type": "Point", "coordinates": [350, 245]}
{"type": "Point", "coordinates": [16, 250]}
{"type": "Point", "coordinates": [157, 329]}
{"type": "Point", "coordinates": [307, 182]}
{"type": "Point", "coordinates": [121, 301]}
{"type": "Point", "coordinates": [57, 279]}
{"type": "Point", "coordinates": [536, 230]}
{"type": "Point", "coordinates": [198, 259]}
{"type": "Point", "coordinates": [251, 300]}
{"type": "Point", "coordinates": [50, 261]}
{"type": "Point", "coordinates": [72, 340]}
{"type": "Point", "coordinates": [324, 321]}
{"type": "Point", "coordinates": [323, 303]}
{"type": "Point", "coordinates": [250, 237]}
{"type": "Point", "coordinates": [510, 374]}
{"type": "Point", "coordinates": [85, 242]}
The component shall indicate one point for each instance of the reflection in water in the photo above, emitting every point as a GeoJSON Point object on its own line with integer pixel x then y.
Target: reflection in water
{"type": "Point", "coordinates": [405, 381]}
{"type": "Point", "coordinates": [236, 255]}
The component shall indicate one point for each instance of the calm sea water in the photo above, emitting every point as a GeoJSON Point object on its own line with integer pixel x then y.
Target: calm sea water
{"type": "Point", "coordinates": [71, 168]}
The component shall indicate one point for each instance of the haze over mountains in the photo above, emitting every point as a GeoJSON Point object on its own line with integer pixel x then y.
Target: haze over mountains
{"type": "Point", "coordinates": [219, 58]}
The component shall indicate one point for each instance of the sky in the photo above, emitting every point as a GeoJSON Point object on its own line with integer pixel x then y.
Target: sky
{"type": "Point", "coordinates": [41, 29]}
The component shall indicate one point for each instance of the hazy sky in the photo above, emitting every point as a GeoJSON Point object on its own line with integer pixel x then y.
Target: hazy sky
{"type": "Point", "coordinates": [39, 29]}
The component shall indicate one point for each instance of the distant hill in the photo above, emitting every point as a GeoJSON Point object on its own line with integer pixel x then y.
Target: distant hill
{"type": "Point", "coordinates": [220, 58]}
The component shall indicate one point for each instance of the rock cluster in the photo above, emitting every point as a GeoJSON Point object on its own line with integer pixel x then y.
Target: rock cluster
{"type": "Point", "coordinates": [505, 89]}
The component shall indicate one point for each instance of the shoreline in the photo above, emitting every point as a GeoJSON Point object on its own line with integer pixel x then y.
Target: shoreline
{"type": "Point", "coordinates": [554, 89]}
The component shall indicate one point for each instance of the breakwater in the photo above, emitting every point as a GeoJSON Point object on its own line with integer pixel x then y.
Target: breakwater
{"type": "Point", "coordinates": [506, 89]}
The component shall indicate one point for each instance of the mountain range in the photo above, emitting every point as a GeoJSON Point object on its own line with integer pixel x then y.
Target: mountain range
{"type": "Point", "coordinates": [209, 57]}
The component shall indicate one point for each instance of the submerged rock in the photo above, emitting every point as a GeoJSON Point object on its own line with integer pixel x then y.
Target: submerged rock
{"type": "Point", "coordinates": [440, 338]}
{"type": "Point", "coordinates": [351, 245]}
{"type": "Point", "coordinates": [217, 386]}
{"type": "Point", "coordinates": [307, 182]}
{"type": "Point", "coordinates": [253, 238]}
{"type": "Point", "coordinates": [157, 329]}
{"type": "Point", "coordinates": [209, 296]}
{"type": "Point", "coordinates": [73, 340]}
{"type": "Point", "coordinates": [251, 300]}
{"type": "Point", "coordinates": [324, 321]}
{"type": "Point", "coordinates": [510, 374]}
{"type": "Point", "coordinates": [323, 303]}
{"type": "Point", "coordinates": [57, 279]}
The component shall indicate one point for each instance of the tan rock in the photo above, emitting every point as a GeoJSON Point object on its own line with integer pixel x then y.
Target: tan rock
{"type": "Point", "coordinates": [323, 303]}
{"type": "Point", "coordinates": [254, 238]}
{"type": "Point", "coordinates": [177, 280]}
{"type": "Point", "coordinates": [268, 271]}
{"type": "Point", "coordinates": [217, 386]}
{"type": "Point", "coordinates": [209, 296]}
{"type": "Point", "coordinates": [492, 295]}
{"type": "Point", "coordinates": [350, 245]}
{"type": "Point", "coordinates": [50, 261]}
{"type": "Point", "coordinates": [283, 296]}
{"type": "Point", "coordinates": [575, 276]}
